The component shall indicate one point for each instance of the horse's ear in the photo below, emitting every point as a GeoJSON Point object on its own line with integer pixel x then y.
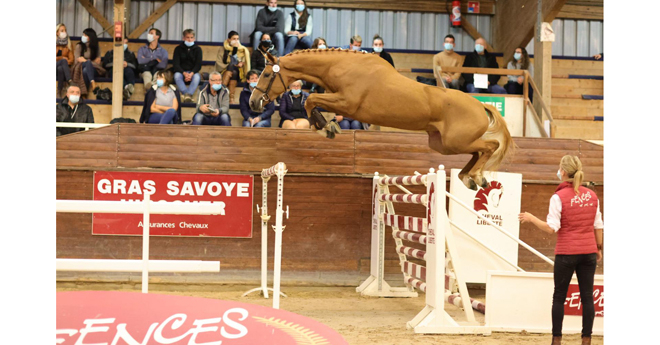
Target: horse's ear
{"type": "Point", "coordinates": [271, 58]}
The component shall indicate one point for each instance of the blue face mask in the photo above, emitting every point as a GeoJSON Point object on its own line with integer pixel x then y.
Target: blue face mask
{"type": "Point", "coordinates": [296, 92]}
{"type": "Point", "coordinates": [272, 9]}
{"type": "Point", "coordinates": [517, 56]}
{"type": "Point", "coordinates": [449, 46]}
{"type": "Point", "coordinates": [160, 82]}
{"type": "Point", "coordinates": [322, 46]}
{"type": "Point", "coordinates": [356, 48]}
{"type": "Point", "coordinates": [216, 87]}
{"type": "Point", "coordinates": [125, 46]}
{"type": "Point", "coordinates": [479, 48]}
{"type": "Point", "coordinates": [378, 49]}
{"type": "Point", "coordinates": [300, 8]}
{"type": "Point", "coordinates": [189, 44]}
{"type": "Point", "coordinates": [253, 84]}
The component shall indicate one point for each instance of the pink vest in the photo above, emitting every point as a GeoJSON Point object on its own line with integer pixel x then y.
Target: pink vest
{"type": "Point", "coordinates": [578, 212]}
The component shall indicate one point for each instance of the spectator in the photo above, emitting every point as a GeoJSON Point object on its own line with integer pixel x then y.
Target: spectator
{"type": "Point", "coordinates": [356, 43]}
{"type": "Point", "coordinates": [574, 215]}
{"type": "Point", "coordinates": [71, 109]}
{"type": "Point", "coordinates": [348, 123]}
{"type": "Point", "coordinates": [447, 58]}
{"type": "Point", "coordinates": [162, 103]}
{"type": "Point", "coordinates": [481, 58]}
{"type": "Point", "coordinates": [520, 60]}
{"type": "Point", "coordinates": [378, 48]}
{"type": "Point", "coordinates": [151, 58]}
{"type": "Point", "coordinates": [259, 55]}
{"type": "Point", "coordinates": [319, 43]}
{"type": "Point", "coordinates": [292, 107]}
{"type": "Point", "coordinates": [299, 26]}
{"type": "Point", "coordinates": [87, 65]}
{"type": "Point", "coordinates": [130, 64]}
{"type": "Point", "coordinates": [599, 56]}
{"type": "Point", "coordinates": [64, 58]}
{"type": "Point", "coordinates": [213, 103]}
{"type": "Point", "coordinates": [251, 118]}
{"type": "Point", "coordinates": [233, 61]}
{"type": "Point", "coordinates": [187, 64]}
{"type": "Point", "coordinates": [270, 20]}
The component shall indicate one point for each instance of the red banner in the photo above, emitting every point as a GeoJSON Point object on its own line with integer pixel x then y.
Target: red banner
{"type": "Point", "coordinates": [115, 317]}
{"type": "Point", "coordinates": [573, 304]}
{"type": "Point", "coordinates": [234, 192]}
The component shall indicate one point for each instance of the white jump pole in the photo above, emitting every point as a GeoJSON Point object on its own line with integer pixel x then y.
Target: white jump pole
{"type": "Point", "coordinates": [145, 244]}
{"type": "Point", "coordinates": [278, 227]}
{"type": "Point", "coordinates": [114, 265]}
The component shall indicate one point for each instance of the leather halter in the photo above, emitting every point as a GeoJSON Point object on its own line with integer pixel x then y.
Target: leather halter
{"type": "Point", "coordinates": [264, 95]}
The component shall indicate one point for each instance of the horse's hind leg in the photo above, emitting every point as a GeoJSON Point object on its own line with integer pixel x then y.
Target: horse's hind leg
{"type": "Point", "coordinates": [463, 175]}
{"type": "Point", "coordinates": [487, 148]}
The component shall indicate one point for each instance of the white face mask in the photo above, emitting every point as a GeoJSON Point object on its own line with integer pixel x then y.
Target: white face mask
{"type": "Point", "coordinates": [559, 174]}
{"type": "Point", "coordinates": [74, 99]}
{"type": "Point", "coordinates": [150, 38]}
{"type": "Point", "coordinates": [322, 46]}
{"type": "Point", "coordinates": [62, 35]}
{"type": "Point", "coordinates": [84, 39]}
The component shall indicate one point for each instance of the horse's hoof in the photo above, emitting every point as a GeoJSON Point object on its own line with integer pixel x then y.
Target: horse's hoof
{"type": "Point", "coordinates": [472, 185]}
{"type": "Point", "coordinates": [484, 183]}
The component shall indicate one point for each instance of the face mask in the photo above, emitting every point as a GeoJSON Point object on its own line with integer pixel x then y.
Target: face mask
{"type": "Point", "coordinates": [160, 82]}
{"type": "Point", "coordinates": [74, 99]}
{"type": "Point", "coordinates": [378, 49]}
{"type": "Point", "coordinates": [62, 35]}
{"type": "Point", "coordinates": [253, 84]}
{"type": "Point", "coordinates": [272, 9]}
{"type": "Point", "coordinates": [150, 38]}
{"type": "Point", "coordinates": [449, 46]}
{"type": "Point", "coordinates": [322, 46]}
{"type": "Point", "coordinates": [125, 46]}
{"type": "Point", "coordinates": [479, 48]}
{"type": "Point", "coordinates": [356, 48]}
{"type": "Point", "coordinates": [300, 8]}
{"type": "Point", "coordinates": [189, 44]}
{"type": "Point", "coordinates": [233, 43]}
{"type": "Point", "coordinates": [267, 42]}
{"type": "Point", "coordinates": [84, 39]}
{"type": "Point", "coordinates": [517, 56]}
{"type": "Point", "coordinates": [559, 175]}
{"type": "Point", "coordinates": [216, 87]}
{"type": "Point", "coordinates": [296, 92]}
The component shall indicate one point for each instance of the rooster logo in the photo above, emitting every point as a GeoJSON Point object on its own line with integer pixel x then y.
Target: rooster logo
{"type": "Point", "coordinates": [488, 197]}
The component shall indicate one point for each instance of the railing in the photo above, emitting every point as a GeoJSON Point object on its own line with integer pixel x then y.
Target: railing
{"type": "Point", "coordinates": [86, 126]}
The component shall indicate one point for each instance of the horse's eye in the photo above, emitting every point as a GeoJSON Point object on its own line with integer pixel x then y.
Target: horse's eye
{"type": "Point", "coordinates": [266, 75]}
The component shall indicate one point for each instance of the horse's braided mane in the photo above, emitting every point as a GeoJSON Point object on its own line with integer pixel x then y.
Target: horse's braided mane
{"type": "Point", "coordinates": [309, 50]}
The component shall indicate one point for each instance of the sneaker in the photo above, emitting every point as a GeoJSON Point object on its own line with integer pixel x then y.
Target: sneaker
{"type": "Point", "coordinates": [128, 91]}
{"type": "Point", "coordinates": [188, 99]}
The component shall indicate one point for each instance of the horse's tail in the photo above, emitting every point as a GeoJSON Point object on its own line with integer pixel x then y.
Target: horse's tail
{"type": "Point", "coordinates": [497, 130]}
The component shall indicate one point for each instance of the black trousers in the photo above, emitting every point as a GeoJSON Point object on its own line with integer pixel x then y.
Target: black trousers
{"type": "Point", "coordinates": [584, 266]}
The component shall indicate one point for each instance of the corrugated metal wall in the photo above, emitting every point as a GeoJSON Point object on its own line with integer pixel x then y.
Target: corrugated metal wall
{"type": "Point", "coordinates": [400, 30]}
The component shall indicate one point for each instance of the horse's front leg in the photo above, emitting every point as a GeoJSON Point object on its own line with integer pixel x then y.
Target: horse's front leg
{"type": "Point", "coordinates": [318, 122]}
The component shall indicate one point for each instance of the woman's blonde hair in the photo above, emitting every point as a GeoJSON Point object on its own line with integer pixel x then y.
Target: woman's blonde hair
{"type": "Point", "coordinates": [68, 40]}
{"type": "Point", "coordinates": [573, 168]}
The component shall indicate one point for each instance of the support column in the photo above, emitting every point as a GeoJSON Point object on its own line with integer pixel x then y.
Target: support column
{"type": "Point", "coordinates": [542, 65]}
{"type": "Point", "coordinates": [118, 60]}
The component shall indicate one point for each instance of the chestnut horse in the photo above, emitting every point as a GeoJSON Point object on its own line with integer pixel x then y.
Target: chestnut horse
{"type": "Point", "coordinates": [367, 88]}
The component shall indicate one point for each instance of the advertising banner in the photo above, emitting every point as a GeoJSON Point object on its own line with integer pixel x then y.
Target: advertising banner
{"type": "Point", "coordinates": [233, 192]}
{"type": "Point", "coordinates": [500, 203]}
{"type": "Point", "coordinates": [573, 304]}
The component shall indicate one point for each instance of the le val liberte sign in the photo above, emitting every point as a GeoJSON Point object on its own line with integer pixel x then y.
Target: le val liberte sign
{"type": "Point", "coordinates": [233, 192]}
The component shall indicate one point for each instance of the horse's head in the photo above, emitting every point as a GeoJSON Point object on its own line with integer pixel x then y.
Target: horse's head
{"type": "Point", "coordinates": [495, 191]}
{"type": "Point", "coordinates": [270, 85]}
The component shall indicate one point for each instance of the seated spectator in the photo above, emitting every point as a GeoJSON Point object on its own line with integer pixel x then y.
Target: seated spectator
{"type": "Point", "coordinates": [270, 20]}
{"type": "Point", "coordinates": [319, 43]}
{"type": "Point", "coordinates": [213, 103]}
{"type": "Point", "coordinates": [482, 59]}
{"type": "Point", "coordinates": [447, 58]}
{"type": "Point", "coordinates": [187, 64]}
{"type": "Point", "coordinates": [258, 57]}
{"type": "Point", "coordinates": [299, 28]}
{"type": "Point", "coordinates": [599, 56]}
{"type": "Point", "coordinates": [233, 61]}
{"type": "Point", "coordinates": [72, 109]}
{"type": "Point", "coordinates": [378, 49]}
{"type": "Point", "coordinates": [162, 103]}
{"type": "Point", "coordinates": [520, 60]}
{"type": "Point", "coordinates": [292, 107]}
{"type": "Point", "coordinates": [348, 123]}
{"type": "Point", "coordinates": [356, 43]}
{"type": "Point", "coordinates": [151, 58]}
{"type": "Point", "coordinates": [252, 118]}
{"type": "Point", "coordinates": [130, 64]}
{"type": "Point", "coordinates": [64, 58]}
{"type": "Point", "coordinates": [87, 65]}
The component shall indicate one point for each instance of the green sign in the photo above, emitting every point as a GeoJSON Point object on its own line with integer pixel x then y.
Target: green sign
{"type": "Point", "coordinates": [497, 102]}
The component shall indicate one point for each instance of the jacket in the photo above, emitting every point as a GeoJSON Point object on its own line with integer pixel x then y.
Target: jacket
{"type": "Point", "coordinates": [225, 56]}
{"type": "Point", "coordinates": [149, 99]}
{"type": "Point", "coordinates": [286, 104]}
{"type": "Point", "coordinates": [82, 113]}
{"type": "Point", "coordinates": [145, 54]}
{"type": "Point", "coordinates": [247, 113]}
{"type": "Point", "coordinates": [108, 60]}
{"type": "Point", "coordinates": [578, 211]}
{"type": "Point", "coordinates": [223, 100]}
{"type": "Point", "coordinates": [385, 55]}
{"type": "Point", "coordinates": [268, 22]}
{"type": "Point", "coordinates": [187, 59]}
{"type": "Point", "coordinates": [472, 60]}
{"type": "Point", "coordinates": [65, 53]}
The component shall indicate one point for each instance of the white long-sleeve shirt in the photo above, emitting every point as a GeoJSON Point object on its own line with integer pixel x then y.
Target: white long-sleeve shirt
{"type": "Point", "coordinates": [554, 214]}
{"type": "Point", "coordinates": [287, 24]}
